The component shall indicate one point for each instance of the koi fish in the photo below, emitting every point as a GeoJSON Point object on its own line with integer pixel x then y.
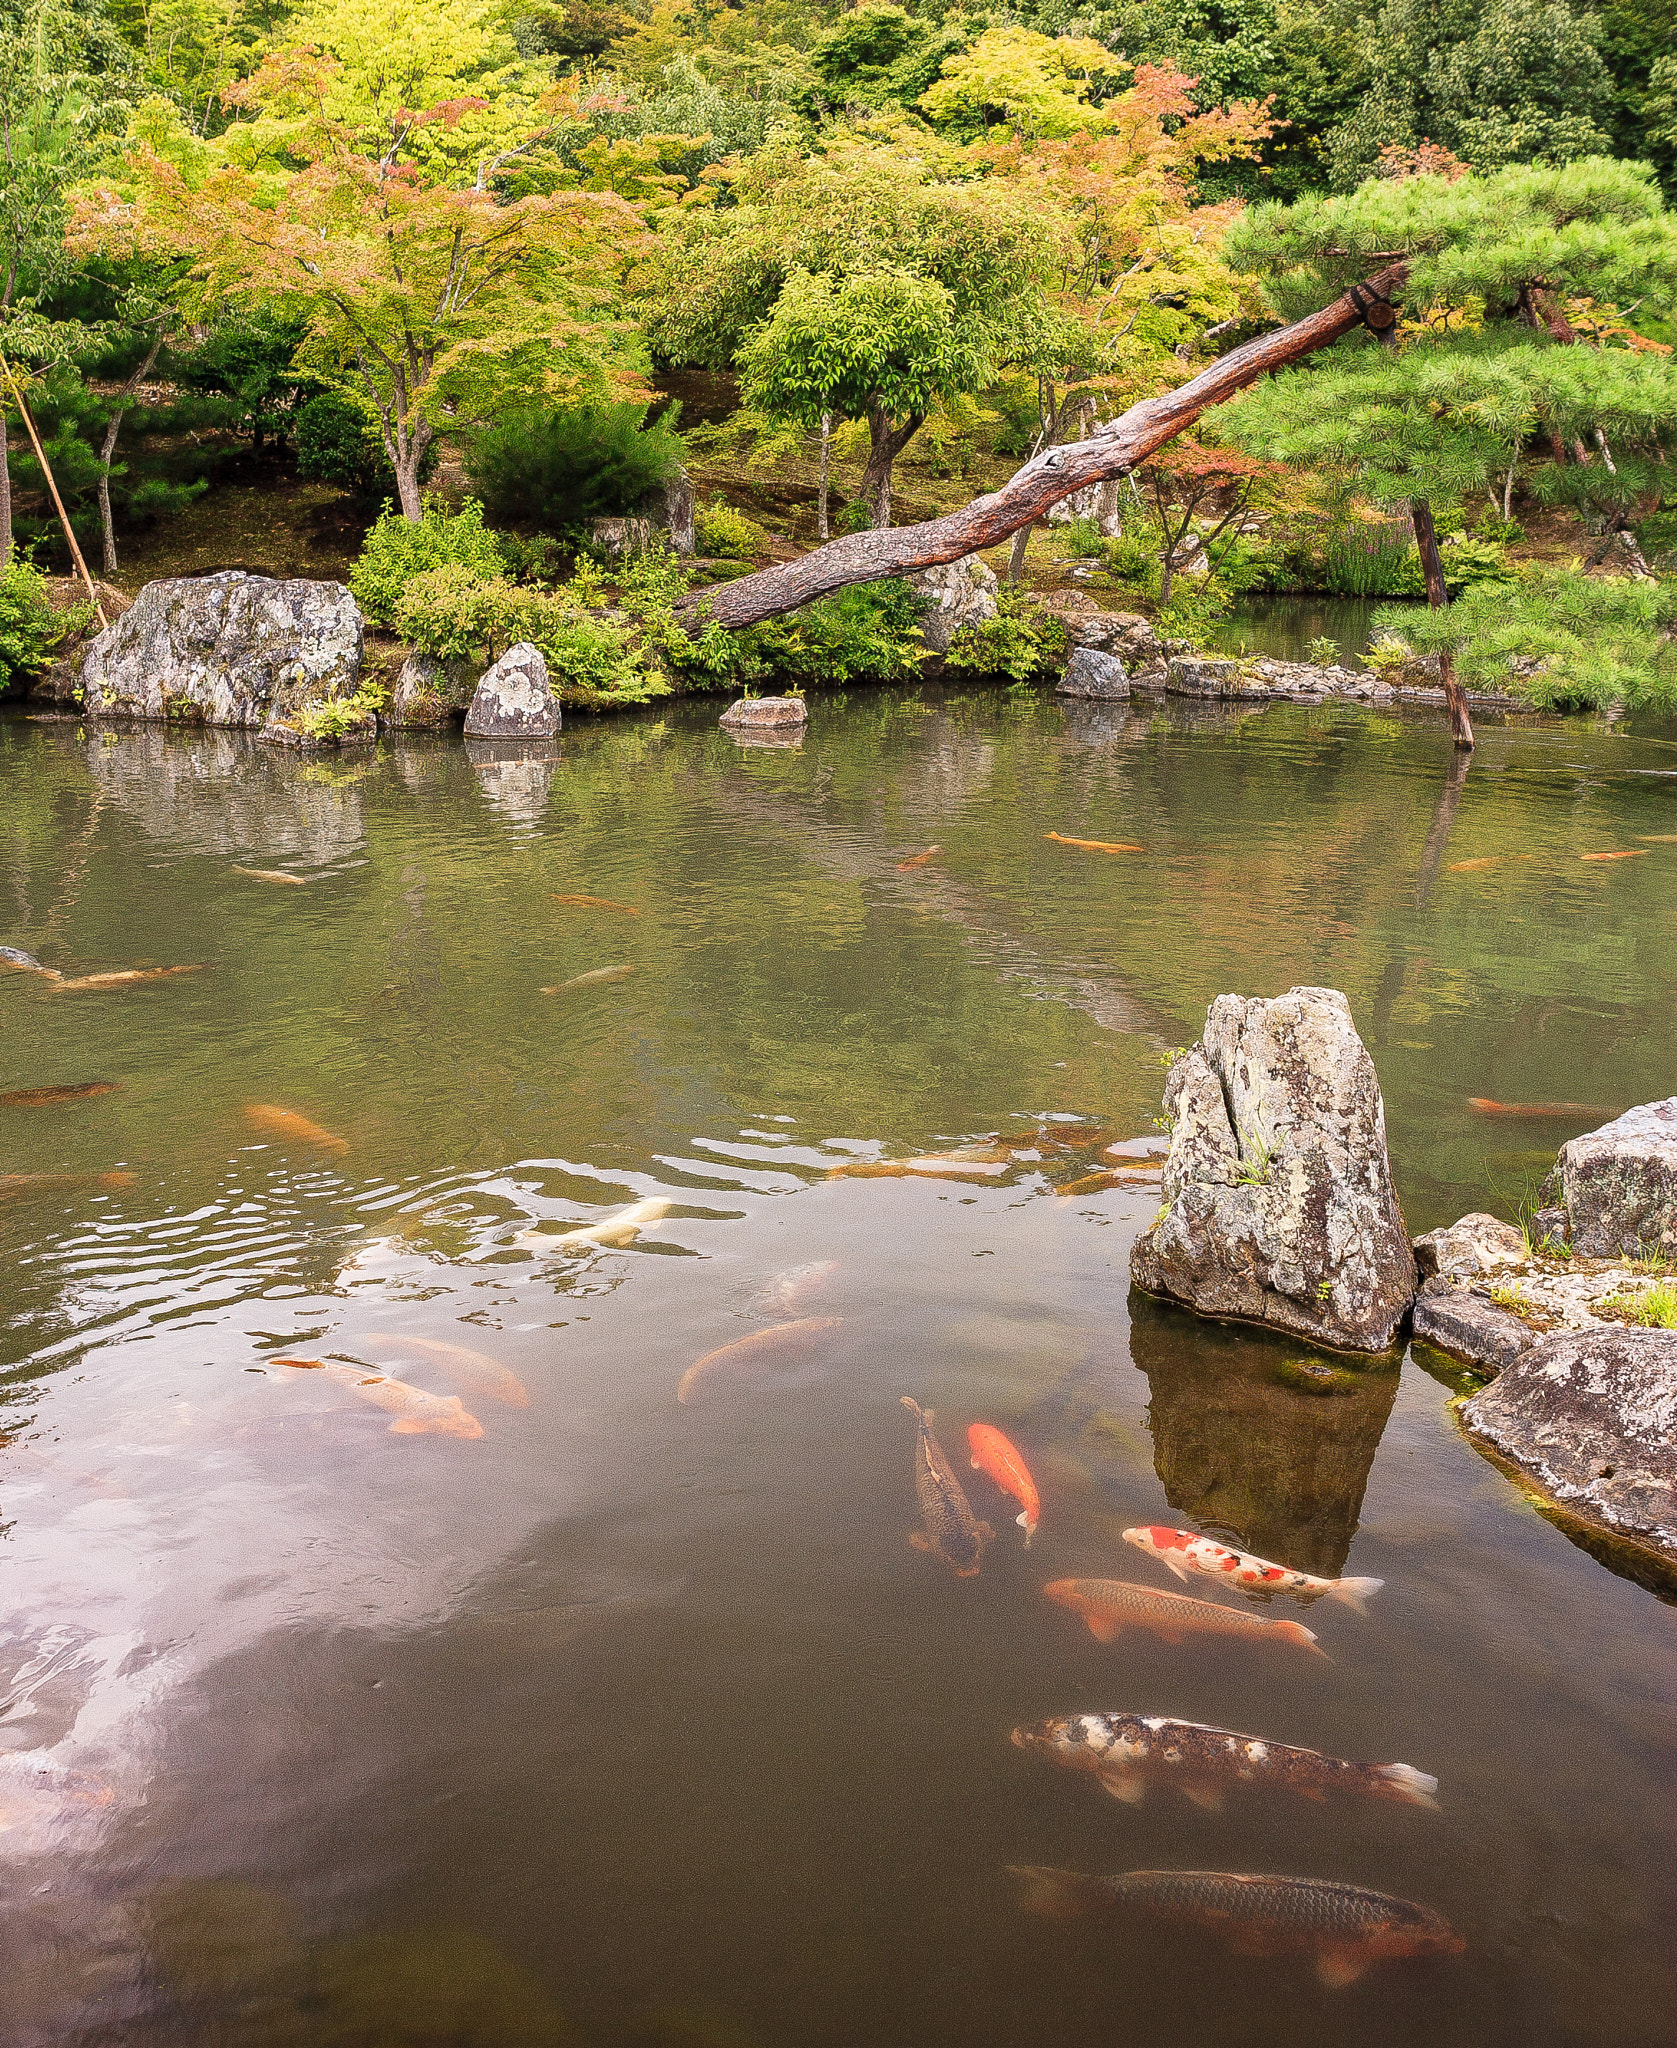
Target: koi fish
{"type": "Point", "coordinates": [484, 1375]}
{"type": "Point", "coordinates": [594, 976]}
{"type": "Point", "coordinates": [1486, 1107]}
{"type": "Point", "coordinates": [964, 1162]}
{"type": "Point", "coordinates": [595, 903]}
{"type": "Point", "coordinates": [67, 1091]}
{"type": "Point", "coordinates": [1489, 860]}
{"type": "Point", "coordinates": [15, 1183]}
{"type": "Point", "coordinates": [952, 1532]}
{"type": "Point", "coordinates": [1000, 1460]}
{"type": "Point", "coordinates": [273, 875]}
{"type": "Point", "coordinates": [748, 1360]}
{"type": "Point", "coordinates": [1342, 1928]}
{"type": "Point", "coordinates": [1635, 853]}
{"type": "Point", "coordinates": [1128, 1752]}
{"type": "Point", "coordinates": [1096, 845]}
{"type": "Point", "coordinates": [1109, 1606]}
{"type": "Point", "coordinates": [619, 1229]}
{"type": "Point", "coordinates": [1659, 838]}
{"type": "Point", "coordinates": [122, 977]}
{"type": "Point", "coordinates": [787, 1292]}
{"type": "Point", "coordinates": [918, 861]}
{"type": "Point", "coordinates": [286, 1123]}
{"type": "Point", "coordinates": [1095, 1183]}
{"type": "Point", "coordinates": [1181, 1551]}
{"type": "Point", "coordinates": [417, 1413]}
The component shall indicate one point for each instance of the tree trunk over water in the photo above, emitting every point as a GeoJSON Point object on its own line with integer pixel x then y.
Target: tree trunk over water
{"type": "Point", "coordinates": [1113, 451]}
{"type": "Point", "coordinates": [1432, 566]}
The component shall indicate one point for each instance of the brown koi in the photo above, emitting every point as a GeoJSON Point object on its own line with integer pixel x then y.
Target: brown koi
{"type": "Point", "coordinates": [1096, 845]}
{"type": "Point", "coordinates": [1128, 1752]}
{"type": "Point", "coordinates": [1094, 1183]}
{"type": "Point", "coordinates": [67, 1091]}
{"type": "Point", "coordinates": [484, 1375]}
{"type": "Point", "coordinates": [953, 1532]}
{"type": "Point", "coordinates": [286, 1123]}
{"type": "Point", "coordinates": [1489, 860]}
{"type": "Point", "coordinates": [417, 1413]}
{"type": "Point", "coordinates": [919, 860]}
{"type": "Point", "coordinates": [15, 1183]}
{"type": "Point", "coordinates": [1634, 853]}
{"type": "Point", "coordinates": [1341, 1928]}
{"type": "Point", "coordinates": [1659, 838]}
{"type": "Point", "coordinates": [749, 1360]}
{"type": "Point", "coordinates": [1109, 1606]}
{"type": "Point", "coordinates": [124, 977]}
{"type": "Point", "coordinates": [273, 875]}
{"type": "Point", "coordinates": [595, 903]}
{"type": "Point", "coordinates": [590, 979]}
{"type": "Point", "coordinates": [1486, 1107]}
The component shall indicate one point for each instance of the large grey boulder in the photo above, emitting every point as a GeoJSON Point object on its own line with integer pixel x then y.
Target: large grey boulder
{"type": "Point", "coordinates": [1198, 675]}
{"type": "Point", "coordinates": [1618, 1185]}
{"type": "Point", "coordinates": [1591, 1418]}
{"type": "Point", "coordinates": [1279, 1206]}
{"type": "Point", "coordinates": [514, 700]}
{"type": "Point", "coordinates": [962, 593]}
{"type": "Point", "coordinates": [230, 649]}
{"type": "Point", "coordinates": [1089, 673]}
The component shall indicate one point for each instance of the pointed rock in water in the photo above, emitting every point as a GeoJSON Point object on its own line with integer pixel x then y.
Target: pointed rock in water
{"type": "Point", "coordinates": [1090, 673]}
{"type": "Point", "coordinates": [514, 699]}
{"type": "Point", "coordinates": [1279, 1205]}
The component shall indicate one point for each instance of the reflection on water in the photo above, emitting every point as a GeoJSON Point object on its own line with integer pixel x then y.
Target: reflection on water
{"type": "Point", "coordinates": [1245, 1451]}
{"type": "Point", "coordinates": [635, 1721]}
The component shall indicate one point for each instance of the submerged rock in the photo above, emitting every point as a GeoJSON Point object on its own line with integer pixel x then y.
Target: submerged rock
{"type": "Point", "coordinates": [514, 700]}
{"type": "Point", "coordinates": [1591, 1418]}
{"type": "Point", "coordinates": [1618, 1185]}
{"type": "Point", "coordinates": [229, 649]}
{"type": "Point", "coordinates": [962, 594]}
{"type": "Point", "coordinates": [1279, 1205]}
{"type": "Point", "coordinates": [1089, 673]}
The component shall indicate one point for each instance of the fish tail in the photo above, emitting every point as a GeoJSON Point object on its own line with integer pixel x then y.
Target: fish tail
{"type": "Point", "coordinates": [1057, 1894]}
{"type": "Point", "coordinates": [1296, 1632]}
{"type": "Point", "coordinates": [1028, 1526]}
{"type": "Point", "coordinates": [923, 1414]}
{"type": "Point", "coordinates": [1404, 1782]}
{"type": "Point", "coordinates": [1354, 1592]}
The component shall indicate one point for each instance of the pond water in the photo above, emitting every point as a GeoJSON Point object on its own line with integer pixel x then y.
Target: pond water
{"type": "Point", "coordinates": [1284, 627]}
{"type": "Point", "coordinates": [634, 1721]}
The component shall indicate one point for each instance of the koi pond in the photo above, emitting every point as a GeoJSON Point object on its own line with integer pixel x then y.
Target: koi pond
{"type": "Point", "coordinates": [390, 1657]}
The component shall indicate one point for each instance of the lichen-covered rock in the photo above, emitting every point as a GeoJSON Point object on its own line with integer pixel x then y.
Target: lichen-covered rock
{"type": "Point", "coordinates": [430, 695]}
{"type": "Point", "coordinates": [1089, 673]}
{"type": "Point", "coordinates": [1476, 1244]}
{"type": "Point", "coordinates": [1099, 502]}
{"type": "Point", "coordinates": [1470, 1326]}
{"type": "Point", "coordinates": [229, 649]}
{"type": "Point", "coordinates": [1199, 675]}
{"type": "Point", "coordinates": [664, 517]}
{"type": "Point", "coordinates": [514, 700]}
{"type": "Point", "coordinates": [1591, 1418]}
{"type": "Point", "coordinates": [963, 593]}
{"type": "Point", "coordinates": [774, 713]}
{"type": "Point", "coordinates": [1279, 1205]}
{"type": "Point", "coordinates": [1618, 1185]}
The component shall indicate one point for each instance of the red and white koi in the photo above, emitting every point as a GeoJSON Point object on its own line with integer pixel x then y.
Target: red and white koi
{"type": "Point", "coordinates": [1182, 1552]}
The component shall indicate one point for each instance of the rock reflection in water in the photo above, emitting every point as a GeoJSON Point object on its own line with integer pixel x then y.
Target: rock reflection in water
{"type": "Point", "coordinates": [515, 775]}
{"type": "Point", "coordinates": [1241, 1452]}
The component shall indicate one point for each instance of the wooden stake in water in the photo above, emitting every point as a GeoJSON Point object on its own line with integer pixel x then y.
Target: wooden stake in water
{"type": "Point", "coordinates": [52, 485]}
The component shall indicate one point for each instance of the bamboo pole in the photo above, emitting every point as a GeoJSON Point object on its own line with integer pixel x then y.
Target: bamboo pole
{"type": "Point", "coordinates": [52, 485]}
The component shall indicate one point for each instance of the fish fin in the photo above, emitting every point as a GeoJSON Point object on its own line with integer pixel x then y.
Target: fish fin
{"type": "Point", "coordinates": [1296, 1632]}
{"type": "Point", "coordinates": [1207, 1796]}
{"type": "Point", "coordinates": [1404, 1782]}
{"type": "Point", "coordinates": [1028, 1526]}
{"type": "Point", "coordinates": [976, 1466]}
{"type": "Point", "coordinates": [1181, 1570]}
{"type": "Point", "coordinates": [920, 1542]}
{"type": "Point", "coordinates": [1128, 1786]}
{"type": "Point", "coordinates": [1337, 1967]}
{"type": "Point", "coordinates": [1354, 1592]}
{"type": "Point", "coordinates": [914, 1408]}
{"type": "Point", "coordinates": [1103, 1627]}
{"type": "Point", "coordinates": [1055, 1894]}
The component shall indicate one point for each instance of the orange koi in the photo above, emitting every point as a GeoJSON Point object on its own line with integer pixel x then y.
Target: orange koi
{"type": "Point", "coordinates": [286, 1123]}
{"type": "Point", "coordinates": [594, 903]}
{"type": "Point", "coordinates": [123, 977]}
{"type": "Point", "coordinates": [997, 1459]}
{"type": "Point", "coordinates": [1486, 1107]}
{"type": "Point", "coordinates": [1094, 1183]}
{"type": "Point", "coordinates": [477, 1371]}
{"type": "Point", "coordinates": [417, 1413]}
{"type": "Point", "coordinates": [1109, 1606]}
{"type": "Point", "coordinates": [1635, 853]}
{"type": "Point", "coordinates": [14, 1183]}
{"type": "Point", "coordinates": [1489, 860]}
{"type": "Point", "coordinates": [1096, 845]}
{"type": "Point", "coordinates": [918, 861]}
{"type": "Point", "coordinates": [748, 1360]}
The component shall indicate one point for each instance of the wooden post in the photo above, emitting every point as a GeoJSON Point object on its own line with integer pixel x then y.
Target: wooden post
{"type": "Point", "coordinates": [1432, 566]}
{"type": "Point", "coordinates": [52, 485]}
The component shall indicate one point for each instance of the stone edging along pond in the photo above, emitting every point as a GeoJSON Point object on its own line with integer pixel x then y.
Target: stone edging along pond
{"type": "Point", "coordinates": [287, 661]}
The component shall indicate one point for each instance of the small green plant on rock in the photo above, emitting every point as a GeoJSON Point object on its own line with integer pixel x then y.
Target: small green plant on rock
{"type": "Point", "coordinates": [1650, 1308]}
{"type": "Point", "coordinates": [1323, 651]}
{"type": "Point", "coordinates": [338, 716]}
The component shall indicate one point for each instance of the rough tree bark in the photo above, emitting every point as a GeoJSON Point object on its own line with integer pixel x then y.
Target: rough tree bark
{"type": "Point", "coordinates": [1432, 566]}
{"type": "Point", "coordinates": [885, 444]}
{"type": "Point", "coordinates": [1112, 451]}
{"type": "Point", "coordinates": [108, 449]}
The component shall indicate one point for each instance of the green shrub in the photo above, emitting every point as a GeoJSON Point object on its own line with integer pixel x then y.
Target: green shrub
{"type": "Point", "coordinates": [398, 549]}
{"type": "Point", "coordinates": [1369, 559]}
{"type": "Point", "coordinates": [29, 627]}
{"type": "Point", "coordinates": [1132, 557]}
{"type": "Point", "coordinates": [718, 529]}
{"type": "Point", "coordinates": [1022, 642]}
{"type": "Point", "coordinates": [560, 467]}
{"type": "Point", "coordinates": [1080, 538]}
{"type": "Point", "coordinates": [340, 715]}
{"type": "Point", "coordinates": [866, 633]}
{"type": "Point", "coordinates": [339, 443]}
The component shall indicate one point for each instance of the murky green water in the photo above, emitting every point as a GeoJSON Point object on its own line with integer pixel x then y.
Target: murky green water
{"type": "Point", "coordinates": [1287, 627]}
{"type": "Point", "coordinates": [634, 1722]}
